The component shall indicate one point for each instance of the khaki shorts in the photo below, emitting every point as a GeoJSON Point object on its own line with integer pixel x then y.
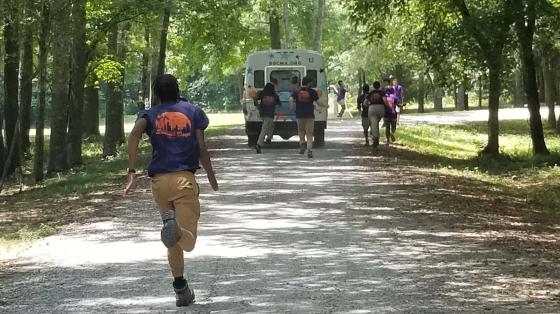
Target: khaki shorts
{"type": "Point", "coordinates": [178, 191]}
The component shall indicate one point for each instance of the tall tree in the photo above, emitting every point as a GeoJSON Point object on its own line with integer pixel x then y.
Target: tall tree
{"type": "Point", "coordinates": [274, 25]}
{"type": "Point", "coordinates": [39, 151]}
{"type": "Point", "coordinates": [525, 17]}
{"type": "Point", "coordinates": [11, 81]}
{"type": "Point", "coordinates": [285, 7]}
{"type": "Point", "coordinates": [163, 40]}
{"type": "Point", "coordinates": [318, 38]}
{"type": "Point", "coordinates": [60, 89]}
{"type": "Point", "coordinates": [79, 64]}
{"type": "Point", "coordinates": [26, 77]}
{"type": "Point", "coordinates": [145, 81]}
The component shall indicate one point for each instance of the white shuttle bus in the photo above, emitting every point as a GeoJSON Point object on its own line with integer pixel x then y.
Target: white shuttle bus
{"type": "Point", "coordinates": [285, 68]}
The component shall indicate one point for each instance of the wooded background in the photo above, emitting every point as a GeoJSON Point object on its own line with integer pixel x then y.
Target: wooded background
{"type": "Point", "coordinates": [73, 65]}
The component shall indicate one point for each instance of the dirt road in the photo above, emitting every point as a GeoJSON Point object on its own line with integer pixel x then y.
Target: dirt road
{"type": "Point", "coordinates": [349, 231]}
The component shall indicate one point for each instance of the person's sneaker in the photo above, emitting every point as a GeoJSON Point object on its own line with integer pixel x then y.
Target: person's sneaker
{"type": "Point", "coordinates": [184, 296]}
{"type": "Point", "coordinates": [170, 232]}
{"type": "Point", "coordinates": [258, 148]}
{"type": "Point", "coordinates": [309, 154]}
{"type": "Point", "coordinates": [375, 142]}
{"type": "Point", "coordinates": [302, 148]}
{"type": "Point", "coordinates": [367, 143]}
{"type": "Point", "coordinates": [268, 141]}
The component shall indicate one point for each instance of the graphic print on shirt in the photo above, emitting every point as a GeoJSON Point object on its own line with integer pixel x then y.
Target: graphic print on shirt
{"type": "Point", "coordinates": [173, 124]}
{"type": "Point", "coordinates": [375, 98]}
{"type": "Point", "coordinates": [304, 96]}
{"type": "Point", "coordinates": [268, 101]}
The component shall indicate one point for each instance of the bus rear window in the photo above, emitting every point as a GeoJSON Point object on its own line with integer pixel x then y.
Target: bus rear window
{"type": "Point", "coordinates": [286, 80]}
{"type": "Point", "coordinates": [259, 78]}
{"type": "Point", "coordinates": [313, 75]}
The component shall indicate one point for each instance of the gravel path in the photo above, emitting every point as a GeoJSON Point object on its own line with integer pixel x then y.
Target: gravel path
{"type": "Point", "coordinates": [349, 231]}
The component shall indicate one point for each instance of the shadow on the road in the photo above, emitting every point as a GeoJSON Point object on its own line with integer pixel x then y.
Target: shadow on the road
{"type": "Point", "coordinates": [351, 231]}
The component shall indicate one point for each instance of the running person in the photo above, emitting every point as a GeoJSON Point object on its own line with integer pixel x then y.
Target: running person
{"type": "Point", "coordinates": [376, 111]}
{"type": "Point", "coordinates": [304, 100]}
{"type": "Point", "coordinates": [266, 101]}
{"type": "Point", "coordinates": [363, 108]}
{"type": "Point", "coordinates": [341, 98]}
{"type": "Point", "coordinates": [399, 93]}
{"type": "Point", "coordinates": [390, 118]}
{"type": "Point", "coordinates": [176, 131]}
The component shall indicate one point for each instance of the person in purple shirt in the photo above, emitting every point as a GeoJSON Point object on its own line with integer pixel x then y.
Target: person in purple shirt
{"type": "Point", "coordinates": [399, 93]}
{"type": "Point", "coordinates": [176, 131]}
{"type": "Point", "coordinates": [341, 98]}
{"type": "Point", "coordinates": [390, 118]}
{"type": "Point", "coordinates": [305, 99]}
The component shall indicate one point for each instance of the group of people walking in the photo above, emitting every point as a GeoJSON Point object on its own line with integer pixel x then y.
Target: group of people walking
{"type": "Point", "coordinates": [380, 104]}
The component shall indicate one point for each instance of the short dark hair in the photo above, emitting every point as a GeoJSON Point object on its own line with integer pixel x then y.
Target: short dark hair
{"type": "Point", "coordinates": [376, 85]}
{"type": "Point", "coordinates": [307, 81]}
{"type": "Point", "coordinates": [166, 88]}
{"type": "Point", "coordinates": [365, 88]}
{"type": "Point", "coordinates": [339, 82]}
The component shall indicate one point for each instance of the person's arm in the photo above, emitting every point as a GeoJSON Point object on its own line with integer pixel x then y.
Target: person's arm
{"type": "Point", "coordinates": [133, 142]}
{"type": "Point", "coordinates": [205, 159]}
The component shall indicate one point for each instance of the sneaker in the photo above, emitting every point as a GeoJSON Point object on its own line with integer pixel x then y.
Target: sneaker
{"type": "Point", "coordinates": [170, 232]}
{"type": "Point", "coordinates": [268, 141]}
{"type": "Point", "coordinates": [258, 148]}
{"type": "Point", "coordinates": [367, 143]}
{"type": "Point", "coordinates": [309, 154]}
{"type": "Point", "coordinates": [184, 296]}
{"type": "Point", "coordinates": [375, 142]}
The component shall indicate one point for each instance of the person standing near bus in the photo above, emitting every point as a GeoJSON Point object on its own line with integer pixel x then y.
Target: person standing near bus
{"type": "Point", "coordinates": [399, 93]}
{"type": "Point", "coordinates": [305, 99]}
{"type": "Point", "coordinates": [266, 100]}
{"type": "Point", "coordinates": [176, 131]}
{"type": "Point", "coordinates": [341, 98]}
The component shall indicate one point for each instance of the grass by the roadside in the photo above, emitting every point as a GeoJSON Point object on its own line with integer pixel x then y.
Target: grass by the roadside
{"type": "Point", "coordinates": [454, 149]}
{"type": "Point", "coordinates": [94, 176]}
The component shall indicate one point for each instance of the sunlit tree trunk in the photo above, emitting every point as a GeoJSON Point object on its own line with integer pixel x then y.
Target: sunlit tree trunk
{"type": "Point", "coordinates": [525, 28]}
{"type": "Point", "coordinates": [550, 87]}
{"type": "Point", "coordinates": [421, 92]}
{"type": "Point", "coordinates": [288, 43]}
{"type": "Point", "coordinates": [163, 41]}
{"type": "Point", "coordinates": [319, 25]}
{"type": "Point", "coordinates": [91, 111]}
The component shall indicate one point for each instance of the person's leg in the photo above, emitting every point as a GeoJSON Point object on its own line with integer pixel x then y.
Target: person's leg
{"type": "Point", "coordinates": [301, 133]}
{"type": "Point", "coordinates": [387, 131]}
{"type": "Point", "coordinates": [342, 108]}
{"type": "Point", "coordinates": [270, 130]}
{"type": "Point", "coordinates": [365, 126]}
{"type": "Point", "coordinates": [309, 129]}
{"type": "Point", "coordinates": [393, 129]}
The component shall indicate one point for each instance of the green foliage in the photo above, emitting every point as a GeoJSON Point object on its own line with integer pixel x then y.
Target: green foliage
{"type": "Point", "coordinates": [108, 70]}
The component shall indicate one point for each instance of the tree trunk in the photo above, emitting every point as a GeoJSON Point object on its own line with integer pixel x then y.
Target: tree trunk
{"type": "Point", "coordinates": [91, 112]}
{"type": "Point", "coordinates": [26, 78]}
{"type": "Point", "coordinates": [60, 79]}
{"type": "Point", "coordinates": [39, 149]}
{"type": "Point", "coordinates": [288, 43]}
{"type": "Point", "coordinates": [550, 87]}
{"type": "Point", "coordinates": [495, 89]}
{"type": "Point", "coordinates": [524, 26]}
{"type": "Point", "coordinates": [540, 83]}
{"type": "Point", "coordinates": [518, 92]}
{"type": "Point", "coordinates": [163, 41]}
{"type": "Point", "coordinates": [114, 107]}
{"type": "Point", "coordinates": [145, 85]}
{"type": "Point", "coordinates": [274, 24]}
{"type": "Point", "coordinates": [11, 83]}
{"type": "Point", "coordinates": [78, 70]}
{"type": "Point", "coordinates": [438, 99]}
{"type": "Point", "coordinates": [421, 92]}
{"type": "Point", "coordinates": [319, 25]}
{"type": "Point", "coordinates": [480, 90]}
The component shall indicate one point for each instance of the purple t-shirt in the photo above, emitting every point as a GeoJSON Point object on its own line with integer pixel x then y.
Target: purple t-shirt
{"type": "Point", "coordinates": [399, 90]}
{"type": "Point", "coordinates": [172, 131]}
{"type": "Point", "coordinates": [304, 98]}
{"type": "Point", "coordinates": [341, 94]}
{"type": "Point", "coordinates": [391, 107]}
